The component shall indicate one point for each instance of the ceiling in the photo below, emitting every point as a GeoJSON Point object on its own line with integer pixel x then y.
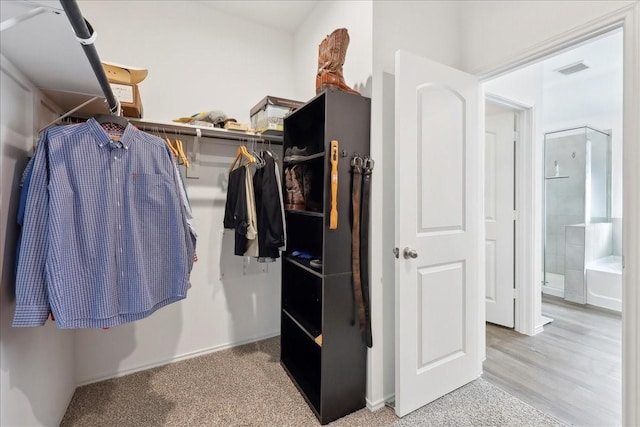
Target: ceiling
{"type": "Point", "coordinates": [603, 55]}
{"type": "Point", "coordinates": [280, 14]}
{"type": "Point", "coordinates": [45, 48]}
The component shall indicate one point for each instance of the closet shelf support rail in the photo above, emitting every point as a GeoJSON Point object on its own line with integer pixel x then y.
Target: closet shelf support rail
{"type": "Point", "coordinates": [182, 129]}
{"type": "Point", "coordinates": [86, 36]}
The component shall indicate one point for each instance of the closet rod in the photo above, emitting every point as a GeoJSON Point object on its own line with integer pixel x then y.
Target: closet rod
{"type": "Point", "coordinates": [86, 36]}
{"type": "Point", "coordinates": [180, 129]}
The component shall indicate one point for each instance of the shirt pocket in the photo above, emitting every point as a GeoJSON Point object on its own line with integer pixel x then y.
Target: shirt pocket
{"type": "Point", "coordinates": [149, 190]}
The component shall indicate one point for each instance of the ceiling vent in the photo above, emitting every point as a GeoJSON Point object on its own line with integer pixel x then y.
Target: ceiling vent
{"type": "Point", "coordinates": [572, 68]}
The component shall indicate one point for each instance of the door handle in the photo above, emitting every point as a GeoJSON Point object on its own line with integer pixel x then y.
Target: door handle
{"type": "Point", "coordinates": [410, 253]}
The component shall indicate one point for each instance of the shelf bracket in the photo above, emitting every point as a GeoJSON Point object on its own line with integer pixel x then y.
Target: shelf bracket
{"type": "Point", "coordinates": [68, 113]}
{"type": "Point", "coordinates": [193, 171]}
{"type": "Point", "coordinates": [12, 22]}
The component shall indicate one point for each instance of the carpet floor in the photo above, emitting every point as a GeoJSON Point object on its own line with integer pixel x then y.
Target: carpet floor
{"type": "Point", "coordinates": [246, 386]}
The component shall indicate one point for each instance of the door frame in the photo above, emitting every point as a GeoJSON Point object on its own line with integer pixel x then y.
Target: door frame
{"type": "Point", "coordinates": [627, 18]}
{"type": "Point", "coordinates": [527, 300]}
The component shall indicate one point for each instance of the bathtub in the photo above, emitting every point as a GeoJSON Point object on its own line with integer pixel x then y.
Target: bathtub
{"type": "Point", "coordinates": [604, 283]}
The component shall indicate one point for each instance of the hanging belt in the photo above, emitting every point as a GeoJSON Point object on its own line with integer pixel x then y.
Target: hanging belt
{"type": "Point", "coordinates": [356, 168]}
{"type": "Point", "coordinates": [367, 168]}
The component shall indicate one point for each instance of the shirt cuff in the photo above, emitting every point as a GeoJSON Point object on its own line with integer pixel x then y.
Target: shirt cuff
{"type": "Point", "coordinates": [26, 316]}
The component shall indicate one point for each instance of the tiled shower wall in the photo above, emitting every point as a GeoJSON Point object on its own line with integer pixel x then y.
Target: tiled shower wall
{"type": "Point", "coordinates": [583, 245]}
{"type": "Point", "coordinates": [565, 202]}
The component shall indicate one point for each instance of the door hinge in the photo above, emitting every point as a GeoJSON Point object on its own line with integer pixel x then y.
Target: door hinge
{"type": "Point", "coordinates": [516, 215]}
{"type": "Point", "coordinates": [396, 252]}
{"type": "Point", "coordinates": [515, 293]}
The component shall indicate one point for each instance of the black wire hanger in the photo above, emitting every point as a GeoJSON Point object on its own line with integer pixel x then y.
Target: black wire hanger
{"type": "Point", "coordinates": [104, 119]}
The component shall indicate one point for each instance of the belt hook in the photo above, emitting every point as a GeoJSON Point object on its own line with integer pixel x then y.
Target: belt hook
{"type": "Point", "coordinates": [368, 163]}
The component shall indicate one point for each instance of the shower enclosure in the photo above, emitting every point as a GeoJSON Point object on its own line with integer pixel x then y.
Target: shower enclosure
{"type": "Point", "coordinates": [577, 208]}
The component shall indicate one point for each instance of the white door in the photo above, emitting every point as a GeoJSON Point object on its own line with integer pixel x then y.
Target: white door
{"type": "Point", "coordinates": [499, 214]}
{"type": "Point", "coordinates": [440, 269]}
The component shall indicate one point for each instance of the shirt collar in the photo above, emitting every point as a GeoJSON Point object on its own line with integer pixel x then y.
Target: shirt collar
{"type": "Point", "coordinates": [102, 137]}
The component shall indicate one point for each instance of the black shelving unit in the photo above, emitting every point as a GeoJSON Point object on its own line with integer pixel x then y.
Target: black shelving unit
{"type": "Point", "coordinates": [322, 348]}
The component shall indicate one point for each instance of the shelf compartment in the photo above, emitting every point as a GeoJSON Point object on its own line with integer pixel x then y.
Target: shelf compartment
{"type": "Point", "coordinates": [305, 126]}
{"type": "Point", "coordinates": [312, 187]}
{"type": "Point", "coordinates": [305, 233]}
{"type": "Point", "coordinates": [301, 358]}
{"type": "Point", "coordinates": [305, 326]}
{"type": "Point", "coordinates": [302, 297]}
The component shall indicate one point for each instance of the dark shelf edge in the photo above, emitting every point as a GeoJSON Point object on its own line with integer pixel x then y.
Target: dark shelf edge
{"type": "Point", "coordinates": [299, 324]}
{"type": "Point", "coordinates": [305, 159]}
{"type": "Point", "coordinates": [306, 213]}
{"type": "Point", "coordinates": [302, 266]}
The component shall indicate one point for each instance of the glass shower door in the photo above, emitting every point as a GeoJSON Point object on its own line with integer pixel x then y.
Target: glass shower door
{"type": "Point", "coordinates": [577, 182]}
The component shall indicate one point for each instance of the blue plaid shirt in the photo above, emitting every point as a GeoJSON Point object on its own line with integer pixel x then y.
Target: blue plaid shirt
{"type": "Point", "coordinates": [107, 235]}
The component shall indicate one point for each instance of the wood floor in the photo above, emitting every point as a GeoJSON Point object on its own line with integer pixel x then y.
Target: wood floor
{"type": "Point", "coordinates": [571, 371]}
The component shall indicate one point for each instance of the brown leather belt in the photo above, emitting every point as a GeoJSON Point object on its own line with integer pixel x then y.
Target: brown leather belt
{"type": "Point", "coordinates": [360, 196]}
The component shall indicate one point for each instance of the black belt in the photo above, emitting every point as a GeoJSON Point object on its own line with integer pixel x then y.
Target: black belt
{"type": "Point", "coordinates": [364, 245]}
{"type": "Point", "coordinates": [360, 197]}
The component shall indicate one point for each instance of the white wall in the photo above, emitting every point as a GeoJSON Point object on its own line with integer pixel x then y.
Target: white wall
{"type": "Point", "coordinates": [356, 17]}
{"type": "Point", "coordinates": [198, 59]}
{"type": "Point", "coordinates": [36, 364]}
{"type": "Point", "coordinates": [429, 29]}
{"type": "Point", "coordinates": [493, 31]}
{"type": "Point", "coordinates": [230, 302]}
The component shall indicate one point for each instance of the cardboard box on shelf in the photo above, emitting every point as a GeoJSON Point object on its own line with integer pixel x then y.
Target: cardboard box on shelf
{"type": "Point", "coordinates": [124, 84]}
{"type": "Point", "coordinates": [268, 115]}
{"type": "Point", "coordinates": [232, 125]}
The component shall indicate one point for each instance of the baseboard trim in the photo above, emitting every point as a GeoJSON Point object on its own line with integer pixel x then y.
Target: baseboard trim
{"type": "Point", "coordinates": [374, 406]}
{"type": "Point", "coordinates": [179, 358]}
{"type": "Point", "coordinates": [548, 290]}
{"type": "Point", "coordinates": [380, 403]}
